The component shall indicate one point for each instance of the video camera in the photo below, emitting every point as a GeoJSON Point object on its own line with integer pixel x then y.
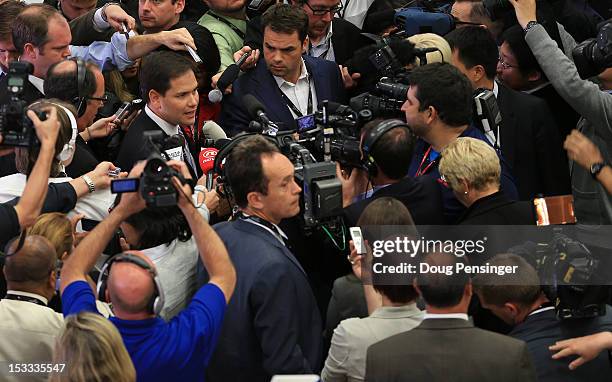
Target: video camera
{"type": "Point", "coordinates": [392, 95]}
{"type": "Point", "coordinates": [594, 55]}
{"type": "Point", "coordinates": [16, 127]}
{"type": "Point", "coordinates": [155, 183]}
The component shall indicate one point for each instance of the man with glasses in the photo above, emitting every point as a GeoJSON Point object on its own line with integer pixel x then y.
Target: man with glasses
{"type": "Point", "coordinates": [330, 37]}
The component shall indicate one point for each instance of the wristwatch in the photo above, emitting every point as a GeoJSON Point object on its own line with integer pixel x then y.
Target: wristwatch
{"type": "Point", "coordinates": [596, 168]}
{"type": "Point", "coordinates": [530, 25]}
{"type": "Point", "coordinates": [89, 183]}
{"type": "Point", "coordinates": [103, 14]}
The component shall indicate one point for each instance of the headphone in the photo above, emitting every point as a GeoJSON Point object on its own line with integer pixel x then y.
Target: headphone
{"type": "Point", "coordinates": [370, 140]}
{"type": "Point", "coordinates": [69, 148]}
{"type": "Point", "coordinates": [80, 101]}
{"type": "Point", "coordinates": [155, 304]}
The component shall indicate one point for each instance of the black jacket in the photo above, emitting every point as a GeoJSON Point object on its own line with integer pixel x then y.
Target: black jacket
{"type": "Point", "coordinates": [564, 115]}
{"type": "Point", "coordinates": [531, 145]}
{"type": "Point", "coordinates": [420, 195]}
{"type": "Point", "coordinates": [497, 209]}
{"type": "Point", "coordinates": [84, 160]}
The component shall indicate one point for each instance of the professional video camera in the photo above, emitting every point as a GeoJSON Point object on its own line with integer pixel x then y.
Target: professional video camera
{"type": "Point", "coordinates": [15, 126]}
{"type": "Point", "coordinates": [389, 101]}
{"type": "Point", "coordinates": [568, 275]}
{"type": "Point", "coordinates": [594, 55]}
{"type": "Point", "coordinates": [155, 183]}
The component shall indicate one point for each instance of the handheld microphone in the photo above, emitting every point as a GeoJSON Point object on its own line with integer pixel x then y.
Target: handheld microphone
{"type": "Point", "coordinates": [207, 162]}
{"type": "Point", "coordinates": [255, 108]}
{"type": "Point", "coordinates": [230, 74]}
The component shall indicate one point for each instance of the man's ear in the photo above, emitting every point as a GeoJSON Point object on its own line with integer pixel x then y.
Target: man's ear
{"type": "Point", "coordinates": [431, 115]}
{"type": "Point", "coordinates": [478, 73]}
{"type": "Point", "coordinates": [30, 51]}
{"type": "Point", "coordinates": [254, 200]}
{"type": "Point", "coordinates": [534, 76]}
{"type": "Point", "coordinates": [180, 6]}
{"type": "Point", "coordinates": [305, 45]}
{"type": "Point", "coordinates": [155, 99]}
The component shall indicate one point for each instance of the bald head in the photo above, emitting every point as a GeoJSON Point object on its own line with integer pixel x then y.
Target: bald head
{"type": "Point", "coordinates": [32, 264]}
{"type": "Point", "coordinates": [130, 286]}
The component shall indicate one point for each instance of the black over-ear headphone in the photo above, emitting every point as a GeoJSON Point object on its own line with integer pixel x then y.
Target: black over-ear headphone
{"type": "Point", "coordinates": [80, 101]}
{"type": "Point", "coordinates": [156, 304]}
{"type": "Point", "coordinates": [370, 140]}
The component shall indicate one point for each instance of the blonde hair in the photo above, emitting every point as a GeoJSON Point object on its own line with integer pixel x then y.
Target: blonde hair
{"type": "Point", "coordinates": [56, 227]}
{"type": "Point", "coordinates": [92, 349]}
{"type": "Point", "coordinates": [471, 160]}
{"type": "Point", "coordinates": [25, 157]}
{"type": "Point", "coordinates": [116, 84]}
{"type": "Point", "coordinates": [431, 40]}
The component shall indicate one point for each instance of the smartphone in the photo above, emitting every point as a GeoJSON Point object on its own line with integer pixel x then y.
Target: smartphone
{"type": "Point", "coordinates": [126, 109]}
{"type": "Point", "coordinates": [358, 241]}
{"type": "Point", "coordinates": [255, 4]}
{"type": "Point", "coordinates": [120, 186]}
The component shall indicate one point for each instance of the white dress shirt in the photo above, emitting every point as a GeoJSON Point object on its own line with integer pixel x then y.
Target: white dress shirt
{"type": "Point", "coordinates": [38, 83]}
{"type": "Point", "coordinates": [298, 92]}
{"type": "Point", "coordinates": [462, 316]}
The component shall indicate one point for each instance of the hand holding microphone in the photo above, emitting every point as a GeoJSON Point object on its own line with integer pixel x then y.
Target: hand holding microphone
{"type": "Point", "coordinates": [230, 74]}
{"type": "Point", "coordinates": [206, 160]}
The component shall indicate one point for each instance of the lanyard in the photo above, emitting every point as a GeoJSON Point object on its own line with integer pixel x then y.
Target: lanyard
{"type": "Point", "coordinates": [240, 33]}
{"type": "Point", "coordinates": [293, 107]}
{"type": "Point", "coordinates": [25, 299]}
{"type": "Point", "coordinates": [421, 170]}
{"type": "Point", "coordinates": [267, 225]}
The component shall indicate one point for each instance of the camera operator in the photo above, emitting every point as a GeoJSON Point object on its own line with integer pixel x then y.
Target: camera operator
{"type": "Point", "coordinates": [438, 109]}
{"type": "Point", "coordinates": [272, 340]}
{"type": "Point", "coordinates": [592, 204]}
{"type": "Point", "coordinates": [517, 298]}
{"type": "Point", "coordinates": [584, 152]}
{"type": "Point", "coordinates": [528, 136]}
{"type": "Point", "coordinates": [387, 148]}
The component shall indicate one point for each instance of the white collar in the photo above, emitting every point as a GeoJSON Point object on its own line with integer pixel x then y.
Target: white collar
{"type": "Point", "coordinates": [462, 316]}
{"type": "Point", "coordinates": [275, 234]}
{"type": "Point", "coordinates": [38, 83]}
{"type": "Point", "coordinates": [541, 310]}
{"type": "Point", "coordinates": [536, 88]}
{"type": "Point", "coordinates": [168, 128]}
{"type": "Point", "coordinates": [327, 38]}
{"type": "Point", "coordinates": [28, 294]}
{"type": "Point", "coordinates": [495, 88]}
{"type": "Point", "coordinates": [280, 81]}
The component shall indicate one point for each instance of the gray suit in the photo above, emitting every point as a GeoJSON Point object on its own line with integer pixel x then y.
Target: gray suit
{"type": "Point", "coordinates": [449, 349]}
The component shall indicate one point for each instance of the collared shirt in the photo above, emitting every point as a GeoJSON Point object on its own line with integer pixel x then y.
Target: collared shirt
{"type": "Point", "coordinates": [530, 91]}
{"type": "Point", "coordinates": [279, 235]}
{"type": "Point", "coordinates": [227, 40]}
{"type": "Point", "coordinates": [461, 316]}
{"type": "Point", "coordinates": [107, 55]}
{"type": "Point", "coordinates": [324, 48]}
{"type": "Point", "coordinates": [495, 89]}
{"type": "Point", "coordinates": [168, 128]}
{"type": "Point", "coordinates": [28, 294]}
{"type": "Point", "coordinates": [298, 92]}
{"type": "Point", "coordinates": [38, 83]}
{"type": "Point", "coordinates": [541, 310]}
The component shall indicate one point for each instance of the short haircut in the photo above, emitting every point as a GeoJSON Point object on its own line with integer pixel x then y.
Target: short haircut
{"type": "Point", "coordinates": [439, 289]}
{"type": "Point", "coordinates": [32, 25]}
{"type": "Point", "coordinates": [475, 46]}
{"type": "Point", "coordinates": [244, 169]}
{"type": "Point", "coordinates": [56, 228]}
{"type": "Point", "coordinates": [158, 69]}
{"type": "Point", "coordinates": [390, 212]}
{"type": "Point", "coordinates": [285, 18]}
{"type": "Point", "coordinates": [432, 40]}
{"type": "Point", "coordinates": [9, 10]}
{"type": "Point", "coordinates": [64, 85]}
{"type": "Point", "coordinates": [527, 63]}
{"type": "Point", "coordinates": [521, 287]}
{"type": "Point", "coordinates": [393, 151]}
{"type": "Point", "coordinates": [33, 263]}
{"type": "Point", "coordinates": [444, 87]}
{"type": "Point", "coordinates": [472, 160]}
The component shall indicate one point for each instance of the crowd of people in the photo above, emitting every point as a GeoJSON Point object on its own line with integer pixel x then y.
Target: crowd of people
{"type": "Point", "coordinates": [128, 256]}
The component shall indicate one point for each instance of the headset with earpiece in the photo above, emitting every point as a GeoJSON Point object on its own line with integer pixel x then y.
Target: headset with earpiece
{"type": "Point", "coordinates": [156, 303]}
{"type": "Point", "coordinates": [80, 101]}
{"type": "Point", "coordinates": [69, 148]}
{"type": "Point", "coordinates": [370, 140]}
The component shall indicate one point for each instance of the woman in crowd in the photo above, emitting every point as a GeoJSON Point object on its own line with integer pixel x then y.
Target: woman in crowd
{"type": "Point", "coordinates": [394, 307]}
{"type": "Point", "coordinates": [91, 349]}
{"type": "Point", "coordinates": [471, 169]}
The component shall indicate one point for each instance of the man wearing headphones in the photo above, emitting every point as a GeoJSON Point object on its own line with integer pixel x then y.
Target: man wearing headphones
{"type": "Point", "coordinates": [387, 149]}
{"type": "Point", "coordinates": [161, 351]}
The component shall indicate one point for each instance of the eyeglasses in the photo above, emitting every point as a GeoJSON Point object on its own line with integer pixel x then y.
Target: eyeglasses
{"type": "Point", "coordinates": [103, 99]}
{"type": "Point", "coordinates": [504, 64]}
{"type": "Point", "coordinates": [323, 12]}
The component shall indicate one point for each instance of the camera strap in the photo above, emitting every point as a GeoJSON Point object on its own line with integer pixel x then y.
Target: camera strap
{"type": "Point", "coordinates": [292, 106]}
{"type": "Point", "coordinates": [240, 33]}
{"type": "Point", "coordinates": [17, 297]}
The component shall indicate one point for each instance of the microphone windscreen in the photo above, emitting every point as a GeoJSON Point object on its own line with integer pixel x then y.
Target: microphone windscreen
{"type": "Point", "coordinates": [212, 130]}
{"type": "Point", "coordinates": [215, 95]}
{"type": "Point", "coordinates": [207, 159]}
{"type": "Point", "coordinates": [253, 105]}
{"type": "Point", "coordinates": [229, 76]}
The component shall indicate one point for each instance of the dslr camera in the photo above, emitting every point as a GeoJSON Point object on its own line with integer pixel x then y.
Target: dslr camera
{"type": "Point", "coordinates": [594, 55]}
{"type": "Point", "coordinates": [15, 126]}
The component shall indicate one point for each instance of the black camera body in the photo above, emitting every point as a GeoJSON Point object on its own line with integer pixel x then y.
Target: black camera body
{"type": "Point", "coordinates": [392, 93]}
{"type": "Point", "coordinates": [594, 55]}
{"type": "Point", "coordinates": [15, 126]}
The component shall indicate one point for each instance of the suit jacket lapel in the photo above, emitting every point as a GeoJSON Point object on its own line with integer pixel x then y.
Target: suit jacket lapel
{"type": "Point", "coordinates": [267, 89]}
{"type": "Point", "coordinates": [321, 80]}
{"type": "Point", "coordinates": [265, 235]}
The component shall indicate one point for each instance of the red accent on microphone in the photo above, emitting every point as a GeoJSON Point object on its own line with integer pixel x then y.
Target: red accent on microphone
{"type": "Point", "coordinates": [207, 159]}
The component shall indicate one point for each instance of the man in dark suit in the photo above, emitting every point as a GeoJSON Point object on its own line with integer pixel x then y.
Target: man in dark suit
{"type": "Point", "coordinates": [388, 148]}
{"type": "Point", "coordinates": [169, 87]}
{"type": "Point", "coordinates": [447, 346]}
{"type": "Point", "coordinates": [288, 84]}
{"type": "Point", "coordinates": [517, 299]}
{"type": "Point", "coordinates": [272, 325]}
{"type": "Point", "coordinates": [528, 137]}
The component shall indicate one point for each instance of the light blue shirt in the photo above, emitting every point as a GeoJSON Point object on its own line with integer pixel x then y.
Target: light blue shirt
{"type": "Point", "coordinates": [107, 55]}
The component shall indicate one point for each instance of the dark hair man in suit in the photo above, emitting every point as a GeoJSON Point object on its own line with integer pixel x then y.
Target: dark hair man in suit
{"type": "Point", "coordinates": [288, 84]}
{"type": "Point", "coordinates": [447, 343]}
{"type": "Point", "coordinates": [273, 315]}
{"type": "Point", "coordinates": [390, 148]}
{"type": "Point", "coordinates": [517, 298]}
{"type": "Point", "coordinates": [528, 136]}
